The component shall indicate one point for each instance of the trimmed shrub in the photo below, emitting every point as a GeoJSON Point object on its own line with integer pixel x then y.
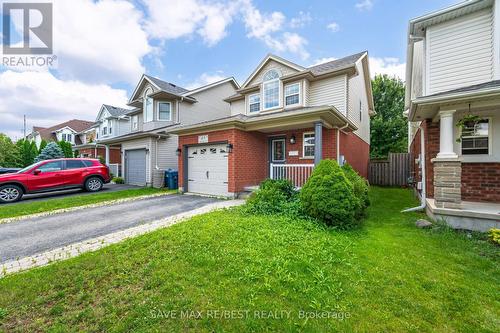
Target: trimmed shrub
{"type": "Point", "coordinates": [50, 152]}
{"type": "Point", "coordinates": [118, 180]}
{"type": "Point", "coordinates": [494, 236]}
{"type": "Point", "coordinates": [329, 196]}
{"type": "Point", "coordinates": [273, 197]}
{"type": "Point", "coordinates": [360, 187]}
{"type": "Point", "coordinates": [67, 148]}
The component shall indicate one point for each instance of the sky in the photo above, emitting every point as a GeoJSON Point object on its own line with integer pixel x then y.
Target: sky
{"type": "Point", "coordinates": [104, 46]}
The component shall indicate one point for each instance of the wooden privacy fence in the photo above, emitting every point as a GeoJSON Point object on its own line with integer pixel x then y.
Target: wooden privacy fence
{"type": "Point", "coordinates": [391, 172]}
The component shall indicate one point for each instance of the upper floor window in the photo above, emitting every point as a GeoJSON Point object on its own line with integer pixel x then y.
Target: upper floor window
{"type": "Point", "coordinates": [164, 111]}
{"type": "Point", "coordinates": [135, 122]}
{"type": "Point", "coordinates": [476, 138]}
{"type": "Point", "coordinates": [104, 131]}
{"type": "Point", "coordinates": [148, 106]}
{"type": "Point", "coordinates": [254, 103]}
{"type": "Point", "coordinates": [271, 89]}
{"type": "Point", "coordinates": [67, 137]}
{"type": "Point", "coordinates": [292, 92]}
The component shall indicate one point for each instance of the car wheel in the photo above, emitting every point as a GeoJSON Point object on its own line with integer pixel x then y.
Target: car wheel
{"type": "Point", "coordinates": [10, 193]}
{"type": "Point", "coordinates": [93, 184]}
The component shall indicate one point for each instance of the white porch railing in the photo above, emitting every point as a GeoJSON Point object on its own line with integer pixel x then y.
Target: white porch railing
{"type": "Point", "coordinates": [296, 173]}
{"type": "Point", "coordinates": [115, 169]}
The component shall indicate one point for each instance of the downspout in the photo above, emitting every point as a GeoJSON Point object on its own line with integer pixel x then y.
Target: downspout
{"type": "Point", "coordinates": [423, 200]}
{"type": "Point", "coordinates": [338, 140]}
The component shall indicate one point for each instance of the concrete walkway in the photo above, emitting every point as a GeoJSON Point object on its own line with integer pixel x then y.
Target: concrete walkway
{"type": "Point", "coordinates": [36, 235]}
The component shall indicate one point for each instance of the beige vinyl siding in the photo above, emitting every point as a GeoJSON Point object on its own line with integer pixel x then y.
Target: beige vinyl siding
{"type": "Point", "coordinates": [417, 70]}
{"type": "Point", "coordinates": [271, 64]}
{"type": "Point", "coordinates": [166, 159]}
{"type": "Point", "coordinates": [143, 143]}
{"type": "Point", "coordinates": [356, 94]}
{"type": "Point", "coordinates": [329, 91]}
{"type": "Point", "coordinates": [460, 52]}
{"type": "Point", "coordinates": [306, 90]}
{"type": "Point", "coordinates": [210, 105]}
{"type": "Point", "coordinates": [238, 107]}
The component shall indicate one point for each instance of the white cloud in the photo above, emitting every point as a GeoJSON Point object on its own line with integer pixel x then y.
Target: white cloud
{"type": "Point", "coordinates": [47, 100]}
{"type": "Point", "coordinates": [364, 5]}
{"type": "Point", "coordinates": [322, 61]}
{"type": "Point", "coordinates": [99, 41]}
{"type": "Point", "coordinates": [389, 66]}
{"type": "Point", "coordinates": [206, 78]}
{"type": "Point", "coordinates": [333, 27]}
{"type": "Point", "coordinates": [301, 20]}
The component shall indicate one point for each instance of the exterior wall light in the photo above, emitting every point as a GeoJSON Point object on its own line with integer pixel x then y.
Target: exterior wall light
{"type": "Point", "coordinates": [178, 152]}
{"type": "Point", "coordinates": [229, 147]}
{"type": "Point", "coordinates": [293, 139]}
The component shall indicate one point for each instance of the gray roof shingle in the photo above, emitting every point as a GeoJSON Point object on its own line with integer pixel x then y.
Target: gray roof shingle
{"type": "Point", "coordinates": [485, 85]}
{"type": "Point", "coordinates": [167, 86]}
{"type": "Point", "coordinates": [336, 64]}
{"type": "Point", "coordinates": [116, 111]}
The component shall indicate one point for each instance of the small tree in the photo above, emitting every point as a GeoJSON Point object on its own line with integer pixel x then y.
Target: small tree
{"type": "Point", "coordinates": [66, 148]}
{"type": "Point", "coordinates": [43, 144]}
{"type": "Point", "coordinates": [9, 152]}
{"type": "Point", "coordinates": [28, 152]}
{"type": "Point", "coordinates": [51, 151]}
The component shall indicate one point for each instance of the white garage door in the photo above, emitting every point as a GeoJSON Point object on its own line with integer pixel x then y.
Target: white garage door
{"type": "Point", "coordinates": [207, 169]}
{"type": "Point", "coordinates": [135, 167]}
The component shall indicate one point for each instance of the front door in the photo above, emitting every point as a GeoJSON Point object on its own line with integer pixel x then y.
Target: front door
{"type": "Point", "coordinates": [277, 149]}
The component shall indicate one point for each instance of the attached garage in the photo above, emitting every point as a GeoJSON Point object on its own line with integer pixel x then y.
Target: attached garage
{"type": "Point", "coordinates": [207, 169]}
{"type": "Point", "coordinates": [135, 167]}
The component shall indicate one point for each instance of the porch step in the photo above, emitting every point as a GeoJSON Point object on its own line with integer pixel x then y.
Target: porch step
{"type": "Point", "coordinates": [247, 191]}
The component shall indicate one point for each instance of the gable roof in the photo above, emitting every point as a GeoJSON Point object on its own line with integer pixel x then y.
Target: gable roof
{"type": "Point", "coordinates": [211, 85]}
{"type": "Point", "coordinates": [161, 85]}
{"type": "Point", "coordinates": [337, 64]}
{"type": "Point", "coordinates": [264, 61]}
{"type": "Point", "coordinates": [115, 111]}
{"type": "Point", "coordinates": [76, 125]}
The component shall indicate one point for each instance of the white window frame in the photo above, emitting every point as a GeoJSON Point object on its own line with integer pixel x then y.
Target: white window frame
{"type": "Point", "coordinates": [298, 93]}
{"type": "Point", "coordinates": [105, 131]}
{"type": "Point", "coordinates": [490, 140]}
{"type": "Point", "coordinates": [250, 104]}
{"type": "Point", "coordinates": [264, 83]}
{"type": "Point", "coordinates": [135, 122]}
{"type": "Point", "coordinates": [146, 99]}
{"type": "Point", "coordinates": [158, 112]}
{"type": "Point", "coordinates": [308, 145]}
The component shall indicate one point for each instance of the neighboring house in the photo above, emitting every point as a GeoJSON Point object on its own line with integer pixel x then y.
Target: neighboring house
{"type": "Point", "coordinates": [148, 147]}
{"type": "Point", "coordinates": [111, 121]}
{"type": "Point", "coordinates": [453, 71]}
{"type": "Point", "coordinates": [68, 131]}
{"type": "Point", "coordinates": [284, 119]}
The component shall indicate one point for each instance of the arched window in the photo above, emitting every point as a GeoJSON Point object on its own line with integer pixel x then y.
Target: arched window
{"type": "Point", "coordinates": [271, 89]}
{"type": "Point", "coordinates": [148, 106]}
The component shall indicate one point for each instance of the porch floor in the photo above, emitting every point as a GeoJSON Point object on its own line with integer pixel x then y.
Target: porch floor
{"type": "Point", "coordinates": [480, 216]}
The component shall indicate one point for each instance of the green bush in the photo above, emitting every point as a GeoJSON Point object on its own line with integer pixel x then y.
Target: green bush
{"type": "Point", "coordinates": [118, 180]}
{"type": "Point", "coordinates": [494, 236]}
{"type": "Point", "coordinates": [360, 187]}
{"type": "Point", "coordinates": [273, 197]}
{"type": "Point", "coordinates": [50, 152]}
{"type": "Point", "coordinates": [329, 196]}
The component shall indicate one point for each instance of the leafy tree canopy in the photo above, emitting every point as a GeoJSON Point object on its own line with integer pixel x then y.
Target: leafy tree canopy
{"type": "Point", "coordinates": [66, 148]}
{"type": "Point", "coordinates": [388, 128]}
{"type": "Point", "coordinates": [27, 152]}
{"type": "Point", "coordinates": [9, 153]}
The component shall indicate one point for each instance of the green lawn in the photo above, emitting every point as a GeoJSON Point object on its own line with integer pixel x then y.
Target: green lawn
{"type": "Point", "coordinates": [25, 208]}
{"type": "Point", "coordinates": [387, 276]}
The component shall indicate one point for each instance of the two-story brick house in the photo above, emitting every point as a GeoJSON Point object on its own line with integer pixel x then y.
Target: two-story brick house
{"type": "Point", "coordinates": [453, 106]}
{"type": "Point", "coordinates": [284, 119]}
{"type": "Point", "coordinates": [146, 142]}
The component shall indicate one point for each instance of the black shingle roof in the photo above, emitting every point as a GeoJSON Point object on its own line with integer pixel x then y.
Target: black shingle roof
{"type": "Point", "coordinates": [116, 111]}
{"type": "Point", "coordinates": [167, 87]}
{"type": "Point", "coordinates": [336, 64]}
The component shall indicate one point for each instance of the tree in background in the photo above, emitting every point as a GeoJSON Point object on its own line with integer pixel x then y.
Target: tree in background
{"type": "Point", "coordinates": [66, 148]}
{"type": "Point", "coordinates": [9, 152]}
{"type": "Point", "coordinates": [388, 128]}
{"type": "Point", "coordinates": [51, 151]}
{"type": "Point", "coordinates": [43, 144]}
{"type": "Point", "coordinates": [27, 151]}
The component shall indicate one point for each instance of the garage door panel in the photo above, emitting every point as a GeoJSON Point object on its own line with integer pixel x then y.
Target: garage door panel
{"type": "Point", "coordinates": [208, 169]}
{"type": "Point", "coordinates": [135, 167]}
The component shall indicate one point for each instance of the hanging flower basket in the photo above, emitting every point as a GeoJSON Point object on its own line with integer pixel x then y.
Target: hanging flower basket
{"type": "Point", "coordinates": [468, 121]}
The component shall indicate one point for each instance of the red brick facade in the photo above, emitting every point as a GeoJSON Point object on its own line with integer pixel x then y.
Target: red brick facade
{"type": "Point", "coordinates": [248, 163]}
{"type": "Point", "coordinates": [480, 181]}
{"type": "Point", "coordinates": [114, 154]}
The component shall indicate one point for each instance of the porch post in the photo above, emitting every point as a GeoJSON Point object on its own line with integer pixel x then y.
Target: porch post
{"type": "Point", "coordinates": [446, 135]}
{"type": "Point", "coordinates": [318, 142]}
{"type": "Point", "coordinates": [107, 154]}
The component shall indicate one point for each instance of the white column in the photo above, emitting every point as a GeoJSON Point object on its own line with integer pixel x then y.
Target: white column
{"type": "Point", "coordinates": [318, 142]}
{"type": "Point", "coordinates": [446, 135]}
{"type": "Point", "coordinates": [107, 154]}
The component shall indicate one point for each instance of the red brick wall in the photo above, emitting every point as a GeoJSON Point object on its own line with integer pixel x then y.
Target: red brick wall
{"type": "Point", "coordinates": [356, 152]}
{"type": "Point", "coordinates": [114, 154]}
{"type": "Point", "coordinates": [414, 153]}
{"type": "Point", "coordinates": [481, 182]}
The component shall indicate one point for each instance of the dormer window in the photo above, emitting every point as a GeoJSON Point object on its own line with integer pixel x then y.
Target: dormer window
{"type": "Point", "coordinates": [148, 106]}
{"type": "Point", "coordinates": [271, 89]}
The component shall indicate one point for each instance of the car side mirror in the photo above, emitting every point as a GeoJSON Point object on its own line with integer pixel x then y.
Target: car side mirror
{"type": "Point", "coordinates": [37, 172]}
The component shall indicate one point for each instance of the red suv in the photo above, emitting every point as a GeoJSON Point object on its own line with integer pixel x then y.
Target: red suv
{"type": "Point", "coordinates": [54, 175]}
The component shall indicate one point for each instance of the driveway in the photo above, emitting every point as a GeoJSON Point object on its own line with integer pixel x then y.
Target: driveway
{"type": "Point", "coordinates": [68, 193]}
{"type": "Point", "coordinates": [32, 236]}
